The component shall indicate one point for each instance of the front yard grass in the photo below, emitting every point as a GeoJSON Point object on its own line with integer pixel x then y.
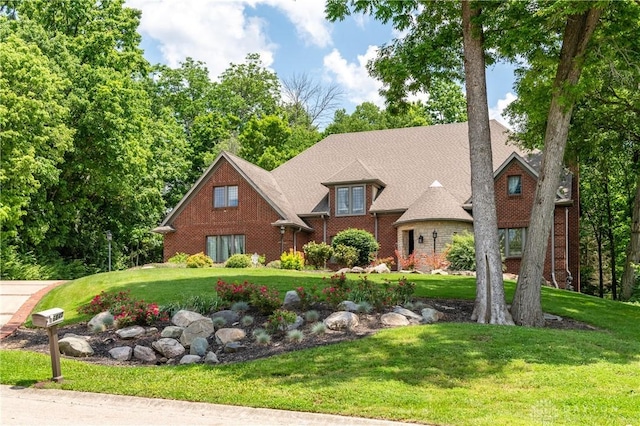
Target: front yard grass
{"type": "Point", "coordinates": [448, 373]}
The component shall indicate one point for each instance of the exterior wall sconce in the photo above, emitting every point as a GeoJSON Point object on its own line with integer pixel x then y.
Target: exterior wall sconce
{"type": "Point", "coordinates": [420, 239]}
{"type": "Point", "coordinates": [281, 238]}
{"type": "Point", "coordinates": [435, 237]}
{"type": "Point", "coordinates": [282, 229]}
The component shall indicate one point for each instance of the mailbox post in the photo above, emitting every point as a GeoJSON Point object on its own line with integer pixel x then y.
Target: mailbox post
{"type": "Point", "coordinates": [50, 319]}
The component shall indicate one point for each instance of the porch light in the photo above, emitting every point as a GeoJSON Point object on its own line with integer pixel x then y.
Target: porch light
{"type": "Point", "coordinates": [435, 237]}
{"type": "Point", "coordinates": [282, 229]}
{"type": "Point", "coordinates": [420, 239]}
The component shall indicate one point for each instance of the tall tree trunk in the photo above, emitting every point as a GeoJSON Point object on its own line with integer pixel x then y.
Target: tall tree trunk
{"type": "Point", "coordinates": [633, 249]}
{"type": "Point", "coordinates": [526, 308]}
{"type": "Point", "coordinates": [490, 306]}
{"type": "Point", "coordinates": [600, 269]}
{"type": "Point", "coordinates": [612, 242]}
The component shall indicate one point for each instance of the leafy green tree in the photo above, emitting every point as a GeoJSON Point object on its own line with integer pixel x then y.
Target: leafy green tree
{"type": "Point", "coordinates": [367, 116]}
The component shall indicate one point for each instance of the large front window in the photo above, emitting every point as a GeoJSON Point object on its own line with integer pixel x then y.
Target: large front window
{"type": "Point", "coordinates": [221, 247]}
{"type": "Point", "coordinates": [225, 196]}
{"type": "Point", "coordinates": [350, 200]}
{"type": "Point", "coordinates": [512, 241]}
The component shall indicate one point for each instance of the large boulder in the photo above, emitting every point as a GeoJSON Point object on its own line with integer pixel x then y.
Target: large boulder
{"type": "Point", "coordinates": [190, 359]}
{"type": "Point", "coordinates": [393, 319]}
{"type": "Point", "coordinates": [297, 323]}
{"type": "Point", "coordinates": [381, 269]}
{"type": "Point", "coordinates": [348, 305]}
{"type": "Point", "coordinates": [122, 353]}
{"type": "Point", "coordinates": [183, 318]}
{"type": "Point", "coordinates": [228, 335]}
{"type": "Point", "coordinates": [131, 332]}
{"type": "Point", "coordinates": [169, 348]}
{"type": "Point", "coordinates": [100, 322]}
{"type": "Point", "coordinates": [341, 320]}
{"type": "Point", "coordinates": [144, 353]}
{"type": "Point", "coordinates": [75, 346]}
{"type": "Point", "coordinates": [430, 315]}
{"type": "Point", "coordinates": [199, 328]}
{"type": "Point", "coordinates": [291, 299]}
{"type": "Point", "coordinates": [407, 313]}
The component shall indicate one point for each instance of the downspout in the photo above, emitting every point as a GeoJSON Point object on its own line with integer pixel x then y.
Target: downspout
{"type": "Point", "coordinates": [569, 285]}
{"type": "Point", "coordinates": [553, 251]}
{"type": "Point", "coordinates": [295, 239]}
{"type": "Point", "coordinates": [324, 229]}
{"type": "Point", "coordinates": [375, 226]}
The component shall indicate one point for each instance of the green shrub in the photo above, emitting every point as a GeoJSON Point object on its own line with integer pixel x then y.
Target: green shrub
{"type": "Point", "coordinates": [292, 260]}
{"type": "Point", "coordinates": [279, 320]}
{"type": "Point", "coordinates": [178, 258]}
{"type": "Point", "coordinates": [238, 261]}
{"type": "Point", "coordinates": [199, 260]}
{"type": "Point", "coordinates": [345, 255]}
{"type": "Point", "coordinates": [461, 253]}
{"type": "Point", "coordinates": [317, 254]}
{"type": "Point", "coordinates": [295, 336]}
{"type": "Point", "coordinates": [275, 264]}
{"type": "Point", "coordinates": [363, 241]}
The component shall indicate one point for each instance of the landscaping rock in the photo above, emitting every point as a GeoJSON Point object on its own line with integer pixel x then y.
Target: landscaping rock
{"type": "Point", "coordinates": [348, 305]}
{"type": "Point", "coordinates": [393, 319]}
{"type": "Point", "coordinates": [211, 358]}
{"type": "Point", "coordinates": [551, 317]}
{"type": "Point", "coordinates": [439, 272]}
{"type": "Point", "coordinates": [291, 299]}
{"type": "Point", "coordinates": [231, 317]}
{"type": "Point", "coordinates": [228, 335]}
{"type": "Point", "coordinates": [150, 331]}
{"type": "Point", "coordinates": [144, 353]}
{"type": "Point", "coordinates": [183, 318]}
{"type": "Point", "coordinates": [131, 332]}
{"type": "Point", "coordinates": [341, 320]}
{"type": "Point", "coordinates": [343, 271]}
{"type": "Point", "coordinates": [190, 359]}
{"type": "Point", "coordinates": [169, 348]}
{"type": "Point", "coordinates": [233, 347]}
{"type": "Point", "coordinates": [75, 336]}
{"type": "Point", "coordinates": [199, 346]}
{"type": "Point", "coordinates": [172, 332]}
{"type": "Point", "coordinates": [75, 346]}
{"type": "Point", "coordinates": [430, 315]}
{"type": "Point", "coordinates": [100, 322]}
{"type": "Point", "coordinates": [357, 270]}
{"type": "Point", "coordinates": [122, 353]}
{"type": "Point", "coordinates": [199, 328]}
{"type": "Point", "coordinates": [381, 269]}
{"type": "Point", "coordinates": [297, 324]}
{"type": "Point", "coordinates": [407, 313]}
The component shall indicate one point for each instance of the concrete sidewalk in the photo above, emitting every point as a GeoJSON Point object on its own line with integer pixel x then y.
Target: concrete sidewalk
{"type": "Point", "coordinates": [29, 406]}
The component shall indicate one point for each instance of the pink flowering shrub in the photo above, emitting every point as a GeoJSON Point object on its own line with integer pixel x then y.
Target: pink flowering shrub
{"type": "Point", "coordinates": [125, 310]}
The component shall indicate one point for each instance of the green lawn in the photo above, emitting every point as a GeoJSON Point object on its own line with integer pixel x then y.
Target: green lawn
{"type": "Point", "coordinates": [462, 374]}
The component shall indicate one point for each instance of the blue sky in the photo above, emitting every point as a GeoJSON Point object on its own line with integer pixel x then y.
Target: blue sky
{"type": "Point", "coordinates": [291, 36]}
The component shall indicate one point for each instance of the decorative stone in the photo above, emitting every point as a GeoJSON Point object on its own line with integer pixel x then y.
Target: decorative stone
{"type": "Point", "coordinates": [343, 271]}
{"type": "Point", "coordinates": [233, 347]}
{"type": "Point", "coordinates": [190, 359]}
{"type": "Point", "coordinates": [297, 324]}
{"type": "Point", "coordinates": [348, 305]}
{"type": "Point", "coordinates": [172, 332]}
{"type": "Point", "coordinates": [75, 346]}
{"type": "Point", "coordinates": [211, 358]}
{"type": "Point", "coordinates": [551, 317]}
{"type": "Point", "coordinates": [122, 353]}
{"type": "Point", "coordinates": [430, 315]}
{"type": "Point", "coordinates": [357, 270]}
{"type": "Point", "coordinates": [407, 313]}
{"type": "Point", "coordinates": [151, 330]}
{"type": "Point", "coordinates": [131, 332]}
{"type": "Point", "coordinates": [183, 318]}
{"type": "Point", "coordinates": [341, 320]}
{"type": "Point", "coordinates": [291, 299]}
{"type": "Point", "coordinates": [169, 348]}
{"type": "Point", "coordinates": [100, 322]}
{"type": "Point", "coordinates": [229, 316]}
{"type": "Point", "coordinates": [393, 319]}
{"type": "Point", "coordinates": [381, 269]}
{"type": "Point", "coordinates": [439, 272]}
{"type": "Point", "coordinates": [199, 346]}
{"type": "Point", "coordinates": [144, 353]}
{"type": "Point", "coordinates": [227, 335]}
{"type": "Point", "coordinates": [76, 336]}
{"type": "Point", "coordinates": [199, 328]}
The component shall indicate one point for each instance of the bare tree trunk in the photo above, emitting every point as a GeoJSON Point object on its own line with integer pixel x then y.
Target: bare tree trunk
{"type": "Point", "coordinates": [633, 250]}
{"type": "Point", "coordinates": [490, 306]}
{"type": "Point", "coordinates": [526, 308]}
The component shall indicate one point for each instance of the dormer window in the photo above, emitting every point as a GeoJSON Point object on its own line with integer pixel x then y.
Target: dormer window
{"type": "Point", "coordinates": [350, 200]}
{"type": "Point", "coordinates": [514, 185]}
{"type": "Point", "coordinates": [225, 196]}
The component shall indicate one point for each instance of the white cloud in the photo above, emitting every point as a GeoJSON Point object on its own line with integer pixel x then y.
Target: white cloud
{"type": "Point", "coordinates": [354, 78]}
{"type": "Point", "coordinates": [496, 111]}
{"type": "Point", "coordinates": [308, 18]}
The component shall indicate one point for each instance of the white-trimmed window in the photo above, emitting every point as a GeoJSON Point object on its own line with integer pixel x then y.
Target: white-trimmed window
{"type": "Point", "coordinates": [514, 185]}
{"type": "Point", "coordinates": [225, 196]}
{"type": "Point", "coordinates": [221, 247]}
{"type": "Point", "coordinates": [350, 200]}
{"type": "Point", "coordinates": [512, 241]}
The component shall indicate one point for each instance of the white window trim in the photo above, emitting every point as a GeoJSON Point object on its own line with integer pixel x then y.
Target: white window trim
{"type": "Point", "coordinates": [350, 203]}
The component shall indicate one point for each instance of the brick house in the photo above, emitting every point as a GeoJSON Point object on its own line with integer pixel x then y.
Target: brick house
{"type": "Point", "coordinates": [409, 187]}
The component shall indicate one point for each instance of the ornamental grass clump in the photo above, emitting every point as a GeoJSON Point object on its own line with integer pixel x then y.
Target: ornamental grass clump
{"type": "Point", "coordinates": [295, 336]}
{"type": "Point", "coordinates": [246, 320]}
{"type": "Point", "coordinates": [364, 307]}
{"type": "Point", "coordinates": [311, 316]}
{"type": "Point", "coordinates": [241, 306]}
{"type": "Point", "coordinates": [318, 328]}
{"type": "Point", "coordinates": [263, 338]}
{"type": "Point", "coordinates": [218, 322]}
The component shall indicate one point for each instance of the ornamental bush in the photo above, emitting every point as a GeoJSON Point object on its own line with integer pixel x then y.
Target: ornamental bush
{"type": "Point", "coordinates": [461, 253]}
{"type": "Point", "coordinates": [199, 260]}
{"type": "Point", "coordinates": [292, 260]}
{"type": "Point", "coordinates": [178, 258]}
{"type": "Point", "coordinates": [317, 254]}
{"type": "Point", "coordinates": [363, 241]}
{"type": "Point", "coordinates": [238, 261]}
{"type": "Point", "coordinates": [345, 255]}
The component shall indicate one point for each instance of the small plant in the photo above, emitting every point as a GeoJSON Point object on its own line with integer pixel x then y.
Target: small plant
{"type": "Point", "coordinates": [280, 320]}
{"type": "Point", "coordinates": [319, 328]}
{"type": "Point", "coordinates": [218, 322]}
{"type": "Point", "coordinates": [259, 331]}
{"type": "Point", "coordinates": [246, 320]}
{"type": "Point", "coordinates": [238, 261]}
{"type": "Point", "coordinates": [292, 260]}
{"type": "Point", "coordinates": [410, 262]}
{"type": "Point", "coordinates": [345, 255]}
{"type": "Point", "coordinates": [199, 260]}
{"type": "Point", "coordinates": [265, 300]}
{"type": "Point", "coordinates": [317, 254]}
{"type": "Point", "coordinates": [307, 297]}
{"type": "Point", "coordinates": [240, 306]}
{"type": "Point", "coordinates": [295, 336]}
{"type": "Point", "coordinates": [311, 316]}
{"type": "Point", "coordinates": [364, 307]}
{"type": "Point", "coordinates": [178, 258]}
{"type": "Point", "coordinates": [263, 339]}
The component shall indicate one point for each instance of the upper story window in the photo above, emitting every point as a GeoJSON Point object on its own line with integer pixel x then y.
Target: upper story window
{"type": "Point", "coordinates": [225, 196]}
{"type": "Point", "coordinates": [514, 185]}
{"type": "Point", "coordinates": [512, 241]}
{"type": "Point", "coordinates": [350, 200]}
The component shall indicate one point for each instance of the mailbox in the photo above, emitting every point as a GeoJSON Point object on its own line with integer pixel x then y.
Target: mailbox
{"type": "Point", "coordinates": [48, 318]}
